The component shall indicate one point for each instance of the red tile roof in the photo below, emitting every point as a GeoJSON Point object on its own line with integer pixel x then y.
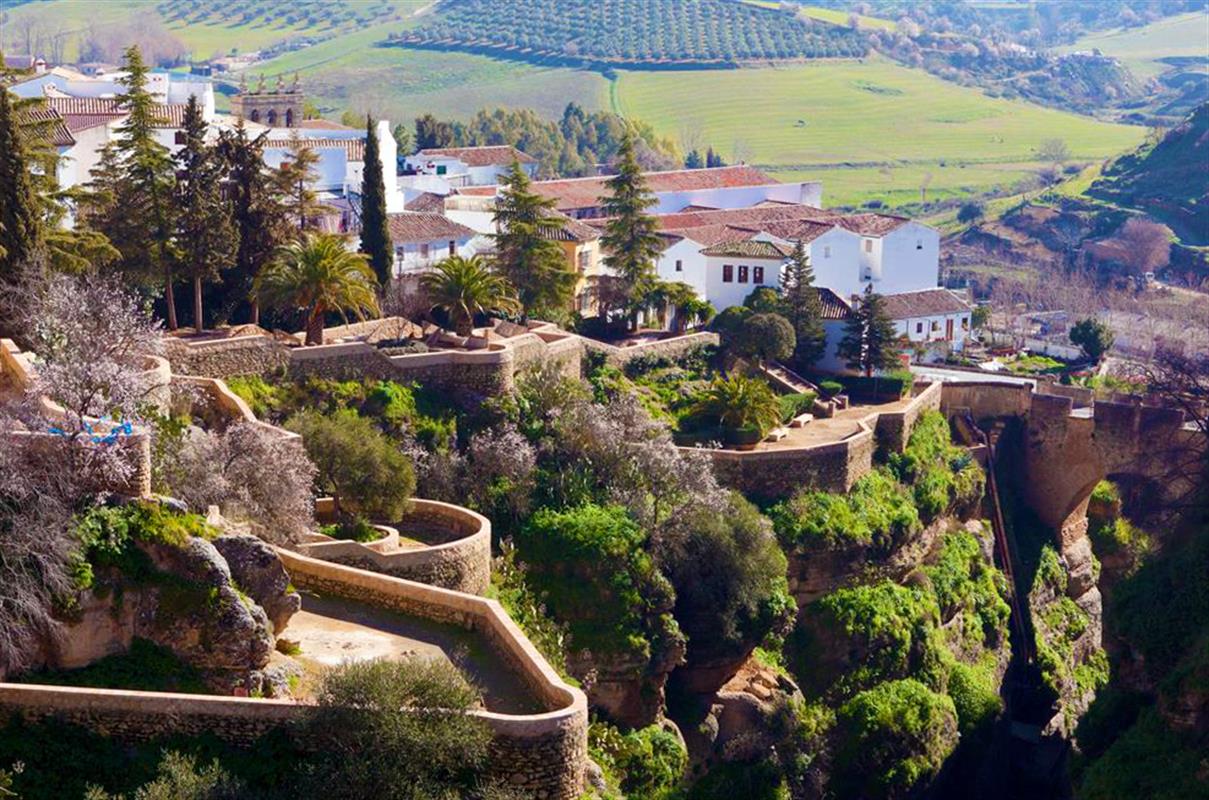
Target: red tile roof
{"type": "Point", "coordinates": [586, 192]}
{"type": "Point", "coordinates": [485, 156]}
{"type": "Point", "coordinates": [573, 230]}
{"type": "Point", "coordinates": [710, 235]}
{"type": "Point", "coordinates": [426, 201]}
{"type": "Point", "coordinates": [323, 124]}
{"type": "Point", "coordinates": [749, 249]}
{"type": "Point", "coordinates": [354, 148]}
{"type": "Point", "coordinates": [51, 127]}
{"type": "Point", "coordinates": [834, 306]}
{"type": "Point", "coordinates": [924, 303]}
{"type": "Point", "coordinates": [415, 226]}
{"type": "Point", "coordinates": [797, 230]}
{"type": "Point", "coordinates": [872, 224]}
{"type": "Point", "coordinates": [171, 115]}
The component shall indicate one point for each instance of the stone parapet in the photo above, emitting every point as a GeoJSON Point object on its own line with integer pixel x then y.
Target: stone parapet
{"type": "Point", "coordinates": [673, 347]}
{"type": "Point", "coordinates": [461, 562]}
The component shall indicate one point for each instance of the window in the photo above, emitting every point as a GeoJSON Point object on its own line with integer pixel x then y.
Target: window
{"type": "Point", "coordinates": [424, 250]}
{"type": "Point", "coordinates": [919, 327]}
{"type": "Point", "coordinates": [728, 273]}
{"type": "Point", "coordinates": [827, 251]}
{"type": "Point", "coordinates": [757, 274]}
{"type": "Point", "coordinates": [255, 115]}
{"type": "Point", "coordinates": [868, 245]}
{"type": "Point", "coordinates": [935, 326]}
{"type": "Point", "coordinates": [289, 118]}
{"type": "Point", "coordinates": [679, 265]}
{"type": "Point", "coordinates": [919, 244]}
{"type": "Point", "coordinates": [965, 323]}
{"type": "Point", "coordinates": [742, 273]}
{"type": "Point", "coordinates": [272, 118]}
{"type": "Point", "coordinates": [585, 260]}
{"type": "Point", "coordinates": [453, 248]}
{"type": "Point", "coordinates": [179, 138]}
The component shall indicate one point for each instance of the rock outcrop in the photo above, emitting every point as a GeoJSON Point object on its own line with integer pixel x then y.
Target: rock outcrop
{"type": "Point", "coordinates": [258, 572]}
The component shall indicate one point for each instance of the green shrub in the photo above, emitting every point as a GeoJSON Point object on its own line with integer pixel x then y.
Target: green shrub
{"type": "Point", "coordinates": [894, 737]}
{"type": "Point", "coordinates": [510, 585]}
{"type": "Point", "coordinates": [1148, 760]}
{"type": "Point", "coordinates": [180, 778]}
{"type": "Point", "coordinates": [261, 396]}
{"type": "Point", "coordinates": [878, 511]}
{"type": "Point", "coordinates": [794, 404]}
{"type": "Point", "coordinates": [590, 566]}
{"type": "Point", "coordinates": [645, 763]}
{"type": "Point", "coordinates": [357, 529]}
{"type": "Point", "coordinates": [974, 694]}
{"type": "Point", "coordinates": [357, 465]}
{"type": "Point", "coordinates": [106, 534]}
{"type": "Point", "coordinates": [831, 388]}
{"type": "Point", "coordinates": [878, 388]}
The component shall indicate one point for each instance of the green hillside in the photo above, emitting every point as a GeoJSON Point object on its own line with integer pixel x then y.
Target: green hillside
{"type": "Point", "coordinates": [1143, 49]}
{"type": "Point", "coordinates": [1168, 179]}
{"type": "Point", "coordinates": [649, 32]}
{"type": "Point", "coordinates": [869, 129]}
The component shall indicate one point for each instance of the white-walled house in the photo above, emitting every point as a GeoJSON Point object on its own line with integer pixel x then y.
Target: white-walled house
{"type": "Point", "coordinates": [935, 320]}
{"type": "Point", "coordinates": [733, 270]}
{"type": "Point", "coordinates": [833, 250]}
{"type": "Point", "coordinates": [466, 166]}
{"type": "Point", "coordinates": [836, 311]}
{"type": "Point", "coordinates": [897, 254]}
{"type": "Point", "coordinates": [422, 239]}
{"type": "Point", "coordinates": [682, 261]}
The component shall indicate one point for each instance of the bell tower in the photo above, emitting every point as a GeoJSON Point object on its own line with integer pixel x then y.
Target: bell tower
{"type": "Point", "coordinates": [279, 108]}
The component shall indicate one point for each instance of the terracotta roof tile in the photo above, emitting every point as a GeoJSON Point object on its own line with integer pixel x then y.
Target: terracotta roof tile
{"type": "Point", "coordinates": [486, 156]}
{"type": "Point", "coordinates": [586, 192]}
{"type": "Point", "coordinates": [427, 201]}
{"type": "Point", "coordinates": [749, 249]}
{"type": "Point", "coordinates": [924, 303]}
{"type": "Point", "coordinates": [573, 230]}
{"type": "Point", "coordinates": [323, 125]}
{"type": "Point", "coordinates": [834, 306]}
{"type": "Point", "coordinates": [872, 224]}
{"type": "Point", "coordinates": [354, 148]}
{"type": "Point", "coordinates": [51, 126]}
{"type": "Point", "coordinates": [710, 235]}
{"type": "Point", "coordinates": [172, 115]}
{"type": "Point", "coordinates": [413, 226]}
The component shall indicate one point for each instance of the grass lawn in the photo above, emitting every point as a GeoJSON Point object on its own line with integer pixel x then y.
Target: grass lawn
{"type": "Point", "coordinates": [887, 124]}
{"type": "Point", "coordinates": [1141, 48]}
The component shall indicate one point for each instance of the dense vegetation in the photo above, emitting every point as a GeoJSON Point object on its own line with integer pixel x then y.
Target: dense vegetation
{"type": "Point", "coordinates": [312, 15]}
{"type": "Point", "coordinates": [646, 32]}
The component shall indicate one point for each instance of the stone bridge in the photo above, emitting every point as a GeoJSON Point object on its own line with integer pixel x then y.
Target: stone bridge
{"type": "Point", "coordinates": [1072, 442]}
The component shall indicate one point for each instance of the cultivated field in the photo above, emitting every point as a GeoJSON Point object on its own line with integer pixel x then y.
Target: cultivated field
{"type": "Point", "coordinates": [1141, 48]}
{"type": "Point", "coordinates": [869, 129]}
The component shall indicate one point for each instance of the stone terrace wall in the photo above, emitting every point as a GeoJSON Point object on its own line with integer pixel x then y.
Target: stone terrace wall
{"type": "Point", "coordinates": [463, 563]}
{"type": "Point", "coordinates": [776, 474]}
{"type": "Point", "coordinates": [893, 428]}
{"type": "Point", "coordinates": [667, 348]}
{"type": "Point", "coordinates": [544, 754]}
{"type": "Point", "coordinates": [986, 399]}
{"type": "Point", "coordinates": [226, 358]}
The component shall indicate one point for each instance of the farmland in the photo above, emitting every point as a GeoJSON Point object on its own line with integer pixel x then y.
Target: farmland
{"type": "Point", "coordinates": [1141, 49]}
{"type": "Point", "coordinates": [869, 129]}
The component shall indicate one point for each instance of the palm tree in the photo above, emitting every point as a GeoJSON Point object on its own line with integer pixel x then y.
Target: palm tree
{"type": "Point", "coordinates": [318, 274]}
{"type": "Point", "coordinates": [739, 402]}
{"type": "Point", "coordinates": [463, 287]}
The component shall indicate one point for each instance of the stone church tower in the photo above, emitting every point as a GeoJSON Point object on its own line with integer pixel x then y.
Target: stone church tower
{"type": "Point", "coordinates": [280, 108]}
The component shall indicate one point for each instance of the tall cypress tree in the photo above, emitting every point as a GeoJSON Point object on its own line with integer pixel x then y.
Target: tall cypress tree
{"type": "Point", "coordinates": [205, 232]}
{"type": "Point", "coordinates": [133, 186]}
{"type": "Point", "coordinates": [260, 218]}
{"type": "Point", "coordinates": [525, 253]}
{"type": "Point", "coordinates": [375, 234]}
{"type": "Point", "coordinates": [869, 341]}
{"type": "Point", "coordinates": [20, 223]}
{"type": "Point", "coordinates": [631, 242]}
{"type": "Point", "coordinates": [800, 301]}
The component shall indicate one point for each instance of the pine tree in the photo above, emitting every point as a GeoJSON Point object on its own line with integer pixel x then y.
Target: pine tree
{"type": "Point", "coordinates": [870, 341]}
{"type": "Point", "coordinates": [205, 231]}
{"type": "Point", "coordinates": [296, 177]}
{"type": "Point", "coordinates": [631, 241]}
{"type": "Point", "coordinates": [693, 160]}
{"type": "Point", "coordinates": [260, 220]}
{"type": "Point", "coordinates": [800, 302]}
{"type": "Point", "coordinates": [526, 255]}
{"type": "Point", "coordinates": [375, 234]}
{"type": "Point", "coordinates": [131, 193]}
{"type": "Point", "coordinates": [20, 223]}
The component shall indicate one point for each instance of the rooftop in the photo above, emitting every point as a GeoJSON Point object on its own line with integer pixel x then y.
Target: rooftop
{"type": "Point", "coordinates": [51, 127]}
{"type": "Point", "coordinates": [834, 307]}
{"type": "Point", "coordinates": [924, 303]}
{"type": "Point", "coordinates": [570, 193]}
{"type": "Point", "coordinates": [323, 124]}
{"type": "Point", "coordinates": [97, 110]}
{"type": "Point", "coordinates": [353, 148]}
{"type": "Point", "coordinates": [419, 226]}
{"type": "Point", "coordinates": [487, 156]}
{"type": "Point", "coordinates": [749, 249]}
{"type": "Point", "coordinates": [427, 201]}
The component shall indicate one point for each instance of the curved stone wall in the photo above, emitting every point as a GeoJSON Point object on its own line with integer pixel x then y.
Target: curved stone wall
{"type": "Point", "coordinates": [462, 562]}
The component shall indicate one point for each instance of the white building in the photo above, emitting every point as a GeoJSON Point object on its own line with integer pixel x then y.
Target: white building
{"type": "Point", "coordinates": [735, 269]}
{"type": "Point", "coordinates": [934, 320]}
{"type": "Point", "coordinates": [435, 168]}
{"type": "Point", "coordinates": [423, 239]}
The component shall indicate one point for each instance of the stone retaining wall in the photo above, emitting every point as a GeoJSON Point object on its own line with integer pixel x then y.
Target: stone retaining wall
{"type": "Point", "coordinates": [776, 474]}
{"type": "Point", "coordinates": [225, 358]}
{"type": "Point", "coordinates": [462, 563]}
{"type": "Point", "coordinates": [545, 753]}
{"type": "Point", "coordinates": [673, 347]}
{"type": "Point", "coordinates": [893, 428]}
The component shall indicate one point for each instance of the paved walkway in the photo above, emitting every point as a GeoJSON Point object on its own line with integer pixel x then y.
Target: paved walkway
{"type": "Point", "coordinates": [332, 630]}
{"type": "Point", "coordinates": [822, 430]}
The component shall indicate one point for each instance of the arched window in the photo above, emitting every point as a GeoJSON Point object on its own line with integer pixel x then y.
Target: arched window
{"type": "Point", "coordinates": [255, 116]}
{"type": "Point", "coordinates": [289, 118]}
{"type": "Point", "coordinates": [272, 118]}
